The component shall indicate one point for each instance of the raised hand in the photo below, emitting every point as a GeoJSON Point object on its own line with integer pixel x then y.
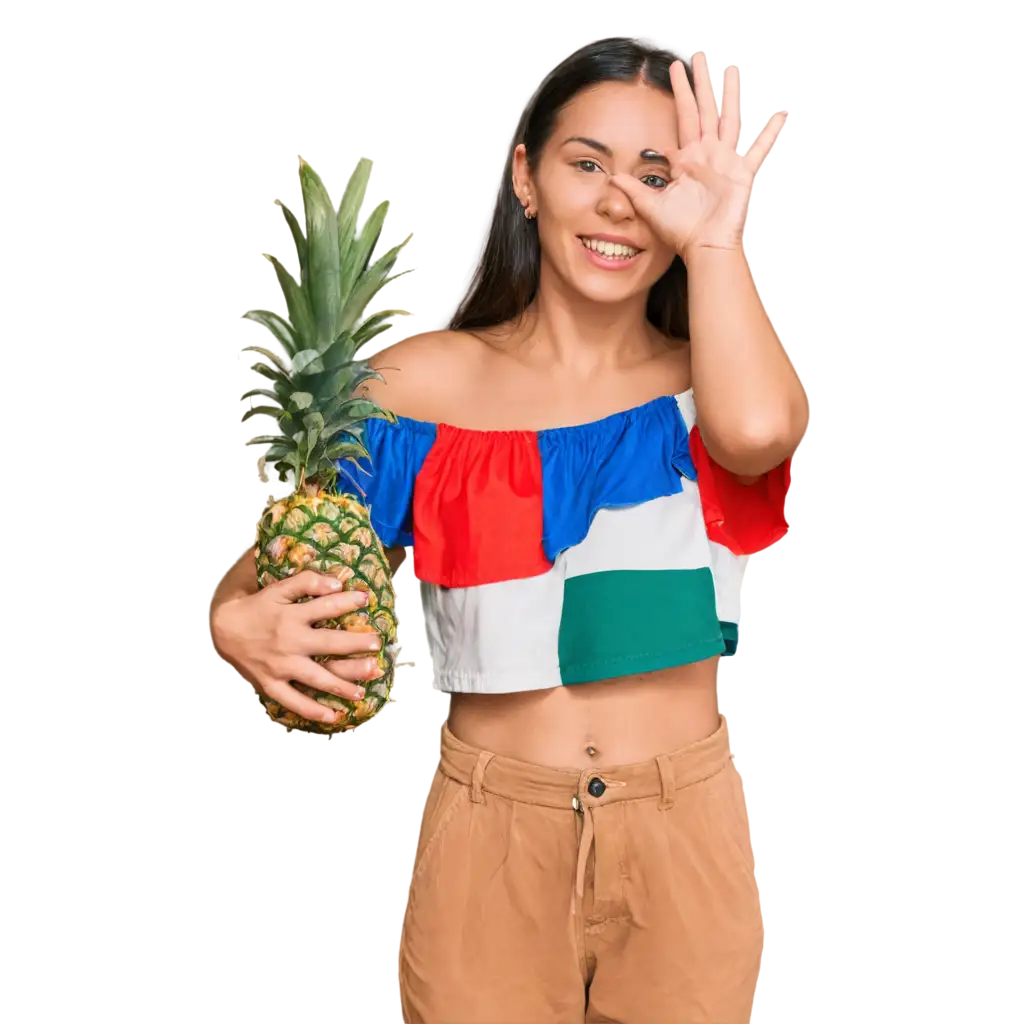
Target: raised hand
{"type": "Point", "coordinates": [705, 203]}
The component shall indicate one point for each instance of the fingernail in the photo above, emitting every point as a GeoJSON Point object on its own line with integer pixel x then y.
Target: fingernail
{"type": "Point", "coordinates": [329, 717]}
{"type": "Point", "coordinates": [363, 597]}
{"type": "Point", "coordinates": [360, 693]}
{"type": "Point", "coordinates": [335, 584]}
{"type": "Point", "coordinates": [373, 644]}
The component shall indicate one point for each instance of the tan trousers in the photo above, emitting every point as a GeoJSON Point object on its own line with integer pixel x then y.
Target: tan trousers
{"type": "Point", "coordinates": [622, 895]}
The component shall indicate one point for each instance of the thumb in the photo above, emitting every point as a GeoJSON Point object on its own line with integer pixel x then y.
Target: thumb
{"type": "Point", "coordinates": [308, 583]}
{"type": "Point", "coordinates": [639, 195]}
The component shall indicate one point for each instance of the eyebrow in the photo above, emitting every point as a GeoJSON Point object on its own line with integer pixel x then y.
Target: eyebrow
{"type": "Point", "coordinates": [647, 155]}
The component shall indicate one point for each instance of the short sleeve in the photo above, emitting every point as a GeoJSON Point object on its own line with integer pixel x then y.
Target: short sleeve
{"type": "Point", "coordinates": [386, 482]}
{"type": "Point", "coordinates": [743, 517]}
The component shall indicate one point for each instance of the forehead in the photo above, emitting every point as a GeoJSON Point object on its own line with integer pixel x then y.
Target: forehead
{"type": "Point", "coordinates": [631, 115]}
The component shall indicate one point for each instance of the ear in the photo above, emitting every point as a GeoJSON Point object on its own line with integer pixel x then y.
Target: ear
{"type": "Point", "coordinates": [521, 181]}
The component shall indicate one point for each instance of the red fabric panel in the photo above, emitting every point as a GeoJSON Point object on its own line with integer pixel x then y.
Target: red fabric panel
{"type": "Point", "coordinates": [478, 508]}
{"type": "Point", "coordinates": [744, 517]}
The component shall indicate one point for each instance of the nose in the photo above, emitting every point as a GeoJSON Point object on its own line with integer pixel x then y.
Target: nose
{"type": "Point", "coordinates": [614, 203]}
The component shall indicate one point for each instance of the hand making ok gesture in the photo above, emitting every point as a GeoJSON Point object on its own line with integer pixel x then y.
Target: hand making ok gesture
{"type": "Point", "coordinates": [705, 203]}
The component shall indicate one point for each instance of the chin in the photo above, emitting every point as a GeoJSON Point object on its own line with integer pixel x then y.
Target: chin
{"type": "Point", "coordinates": [607, 290]}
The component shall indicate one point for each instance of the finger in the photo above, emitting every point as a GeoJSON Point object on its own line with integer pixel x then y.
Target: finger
{"type": "Point", "coordinates": [308, 583]}
{"type": "Point", "coordinates": [354, 670]}
{"type": "Point", "coordinates": [686, 107]}
{"type": "Point", "coordinates": [330, 606]}
{"type": "Point", "coordinates": [754, 156]}
{"type": "Point", "coordinates": [639, 195]}
{"type": "Point", "coordinates": [357, 638]}
{"type": "Point", "coordinates": [729, 124]}
{"type": "Point", "coordinates": [288, 697]}
{"type": "Point", "coordinates": [314, 674]}
{"type": "Point", "coordinates": [706, 105]}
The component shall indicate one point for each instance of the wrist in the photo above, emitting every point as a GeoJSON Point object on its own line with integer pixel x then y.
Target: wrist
{"type": "Point", "coordinates": [691, 253]}
{"type": "Point", "coordinates": [220, 631]}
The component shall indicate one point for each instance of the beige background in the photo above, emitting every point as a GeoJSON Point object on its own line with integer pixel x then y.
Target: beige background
{"type": "Point", "coordinates": [168, 859]}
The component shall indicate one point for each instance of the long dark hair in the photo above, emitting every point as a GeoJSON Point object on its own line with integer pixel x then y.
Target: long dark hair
{"type": "Point", "coordinates": [506, 279]}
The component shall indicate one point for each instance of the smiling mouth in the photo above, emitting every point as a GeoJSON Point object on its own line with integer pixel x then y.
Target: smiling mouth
{"type": "Point", "coordinates": [610, 250]}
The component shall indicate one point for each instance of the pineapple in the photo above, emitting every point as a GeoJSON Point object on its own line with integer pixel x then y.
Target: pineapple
{"type": "Point", "coordinates": [320, 420]}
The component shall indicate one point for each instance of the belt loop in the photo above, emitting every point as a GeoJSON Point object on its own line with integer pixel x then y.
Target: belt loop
{"type": "Point", "coordinates": [668, 782]}
{"type": "Point", "coordinates": [477, 792]}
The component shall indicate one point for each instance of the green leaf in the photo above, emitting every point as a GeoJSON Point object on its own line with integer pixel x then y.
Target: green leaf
{"type": "Point", "coordinates": [307, 361]}
{"type": "Point", "coordinates": [275, 449]}
{"type": "Point", "coordinates": [293, 224]}
{"type": "Point", "coordinates": [353, 408]}
{"type": "Point", "coordinates": [261, 440]}
{"type": "Point", "coordinates": [299, 311]}
{"type": "Point", "coordinates": [281, 329]}
{"type": "Point", "coordinates": [374, 325]}
{"type": "Point", "coordinates": [262, 392]}
{"type": "Point", "coordinates": [362, 371]}
{"type": "Point", "coordinates": [271, 374]}
{"type": "Point", "coordinates": [324, 255]}
{"type": "Point", "coordinates": [347, 450]}
{"type": "Point", "coordinates": [339, 354]}
{"type": "Point", "coordinates": [255, 358]}
{"type": "Point", "coordinates": [313, 420]}
{"type": "Point", "coordinates": [326, 476]}
{"type": "Point", "coordinates": [358, 256]}
{"type": "Point", "coordinates": [339, 429]}
{"type": "Point", "coordinates": [302, 399]}
{"type": "Point", "coordinates": [369, 284]}
{"type": "Point", "coordinates": [257, 407]}
{"type": "Point", "coordinates": [349, 216]}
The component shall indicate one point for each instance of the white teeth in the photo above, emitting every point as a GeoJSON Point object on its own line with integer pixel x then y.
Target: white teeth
{"type": "Point", "coordinates": [610, 248]}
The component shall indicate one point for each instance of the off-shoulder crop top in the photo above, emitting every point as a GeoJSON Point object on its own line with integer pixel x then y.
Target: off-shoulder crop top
{"type": "Point", "coordinates": [572, 554]}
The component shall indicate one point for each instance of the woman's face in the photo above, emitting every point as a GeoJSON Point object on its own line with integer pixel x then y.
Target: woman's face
{"type": "Point", "coordinates": [611, 128]}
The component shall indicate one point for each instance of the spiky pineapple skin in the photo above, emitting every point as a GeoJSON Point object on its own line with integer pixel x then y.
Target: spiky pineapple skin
{"type": "Point", "coordinates": [331, 533]}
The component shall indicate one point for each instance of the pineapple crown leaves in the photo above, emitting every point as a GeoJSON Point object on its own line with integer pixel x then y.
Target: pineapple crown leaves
{"type": "Point", "coordinates": [313, 386]}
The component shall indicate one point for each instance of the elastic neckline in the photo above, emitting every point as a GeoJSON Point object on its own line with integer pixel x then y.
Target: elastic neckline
{"type": "Point", "coordinates": [429, 425]}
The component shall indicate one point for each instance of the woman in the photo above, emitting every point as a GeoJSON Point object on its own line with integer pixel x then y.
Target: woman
{"type": "Point", "coordinates": [580, 531]}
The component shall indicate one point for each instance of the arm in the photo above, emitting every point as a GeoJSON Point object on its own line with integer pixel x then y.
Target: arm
{"type": "Point", "coordinates": [239, 581]}
{"type": "Point", "coordinates": [753, 409]}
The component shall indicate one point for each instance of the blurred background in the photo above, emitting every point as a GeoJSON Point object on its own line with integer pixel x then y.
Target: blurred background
{"type": "Point", "coordinates": [173, 855]}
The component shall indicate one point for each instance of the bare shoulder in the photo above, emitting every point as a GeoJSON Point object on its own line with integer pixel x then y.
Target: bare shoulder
{"type": "Point", "coordinates": [422, 373]}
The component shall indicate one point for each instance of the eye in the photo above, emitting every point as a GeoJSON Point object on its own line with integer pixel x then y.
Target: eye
{"type": "Point", "coordinates": [658, 177]}
{"type": "Point", "coordinates": [593, 163]}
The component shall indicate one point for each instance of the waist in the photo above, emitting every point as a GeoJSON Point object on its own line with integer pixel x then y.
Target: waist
{"type": "Point", "coordinates": [610, 722]}
{"type": "Point", "coordinates": [557, 785]}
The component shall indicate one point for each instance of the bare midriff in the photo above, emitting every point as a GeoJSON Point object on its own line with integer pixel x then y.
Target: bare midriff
{"type": "Point", "coordinates": [611, 722]}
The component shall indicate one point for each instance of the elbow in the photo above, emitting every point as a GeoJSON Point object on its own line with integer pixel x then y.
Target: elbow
{"type": "Point", "coordinates": [759, 445]}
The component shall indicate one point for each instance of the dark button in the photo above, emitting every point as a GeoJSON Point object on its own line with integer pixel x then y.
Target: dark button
{"type": "Point", "coordinates": [595, 787]}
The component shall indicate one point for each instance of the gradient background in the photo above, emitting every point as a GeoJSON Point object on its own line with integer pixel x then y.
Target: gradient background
{"type": "Point", "coordinates": [173, 856]}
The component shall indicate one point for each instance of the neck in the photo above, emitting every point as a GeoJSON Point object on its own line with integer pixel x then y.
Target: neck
{"type": "Point", "coordinates": [568, 333]}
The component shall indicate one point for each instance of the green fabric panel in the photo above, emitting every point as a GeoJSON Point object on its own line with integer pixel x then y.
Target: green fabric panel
{"type": "Point", "coordinates": [623, 621]}
{"type": "Point", "coordinates": [730, 634]}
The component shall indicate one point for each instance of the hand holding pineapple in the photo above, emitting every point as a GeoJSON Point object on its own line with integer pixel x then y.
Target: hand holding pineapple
{"type": "Point", "coordinates": [321, 422]}
{"type": "Point", "coordinates": [271, 640]}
